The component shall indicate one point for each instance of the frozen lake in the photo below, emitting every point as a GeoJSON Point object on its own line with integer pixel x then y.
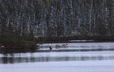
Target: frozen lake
{"type": "Point", "coordinates": [58, 60]}
{"type": "Point", "coordinates": [104, 46]}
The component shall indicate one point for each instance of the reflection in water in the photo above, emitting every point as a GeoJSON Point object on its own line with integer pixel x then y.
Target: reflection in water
{"type": "Point", "coordinates": [5, 59]}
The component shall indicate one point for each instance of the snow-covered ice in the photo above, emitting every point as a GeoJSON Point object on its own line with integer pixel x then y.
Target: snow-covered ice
{"type": "Point", "coordinates": [70, 46]}
{"type": "Point", "coordinates": [63, 66]}
{"type": "Point", "coordinates": [96, 61]}
{"type": "Point", "coordinates": [68, 66]}
{"type": "Point", "coordinates": [61, 54]}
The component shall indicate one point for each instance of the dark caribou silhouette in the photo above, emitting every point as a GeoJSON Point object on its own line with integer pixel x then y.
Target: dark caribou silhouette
{"type": "Point", "coordinates": [50, 48]}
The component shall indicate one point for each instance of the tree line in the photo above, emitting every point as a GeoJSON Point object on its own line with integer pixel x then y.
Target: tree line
{"type": "Point", "coordinates": [57, 18]}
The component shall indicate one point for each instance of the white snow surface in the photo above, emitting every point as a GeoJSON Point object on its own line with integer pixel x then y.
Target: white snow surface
{"type": "Point", "coordinates": [63, 54]}
{"type": "Point", "coordinates": [67, 46]}
{"type": "Point", "coordinates": [68, 66]}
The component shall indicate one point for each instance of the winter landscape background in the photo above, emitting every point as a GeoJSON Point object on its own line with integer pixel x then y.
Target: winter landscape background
{"type": "Point", "coordinates": [56, 35]}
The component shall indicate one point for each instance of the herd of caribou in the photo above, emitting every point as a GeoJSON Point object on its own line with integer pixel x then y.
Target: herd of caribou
{"type": "Point", "coordinates": [55, 46]}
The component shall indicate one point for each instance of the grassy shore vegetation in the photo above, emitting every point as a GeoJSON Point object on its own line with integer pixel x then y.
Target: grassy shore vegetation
{"type": "Point", "coordinates": [14, 42]}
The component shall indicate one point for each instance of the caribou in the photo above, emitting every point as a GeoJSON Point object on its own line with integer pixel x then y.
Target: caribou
{"type": "Point", "coordinates": [61, 46]}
